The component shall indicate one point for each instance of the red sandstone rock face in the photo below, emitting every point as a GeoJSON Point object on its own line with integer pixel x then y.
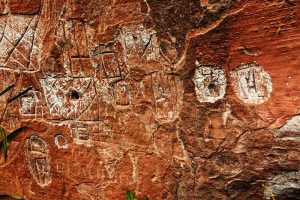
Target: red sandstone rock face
{"type": "Point", "coordinates": [25, 7]}
{"type": "Point", "coordinates": [171, 99]}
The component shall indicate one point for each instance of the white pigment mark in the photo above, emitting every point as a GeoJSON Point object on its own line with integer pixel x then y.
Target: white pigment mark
{"type": "Point", "coordinates": [210, 83]}
{"type": "Point", "coordinates": [252, 83]}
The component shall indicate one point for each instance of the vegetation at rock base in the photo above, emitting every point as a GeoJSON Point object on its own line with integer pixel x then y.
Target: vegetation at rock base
{"type": "Point", "coordinates": [4, 136]}
{"type": "Point", "coordinates": [131, 196]}
{"type": "Point", "coordinates": [11, 195]}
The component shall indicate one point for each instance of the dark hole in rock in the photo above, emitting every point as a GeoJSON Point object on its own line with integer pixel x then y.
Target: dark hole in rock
{"type": "Point", "coordinates": [74, 94]}
{"type": "Point", "coordinates": [211, 86]}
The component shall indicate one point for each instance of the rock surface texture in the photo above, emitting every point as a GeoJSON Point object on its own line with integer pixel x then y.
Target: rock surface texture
{"type": "Point", "coordinates": [173, 99]}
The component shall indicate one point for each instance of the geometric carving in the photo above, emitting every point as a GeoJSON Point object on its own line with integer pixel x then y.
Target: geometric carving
{"type": "Point", "coordinates": [82, 134]}
{"type": "Point", "coordinates": [77, 51]}
{"type": "Point", "coordinates": [105, 129]}
{"type": "Point", "coordinates": [121, 94]}
{"type": "Point", "coordinates": [108, 59]}
{"type": "Point", "coordinates": [68, 98]}
{"type": "Point", "coordinates": [61, 141]}
{"type": "Point", "coordinates": [252, 83]}
{"type": "Point", "coordinates": [167, 94]}
{"type": "Point", "coordinates": [30, 104]}
{"type": "Point", "coordinates": [37, 156]}
{"type": "Point", "coordinates": [17, 34]}
{"type": "Point", "coordinates": [111, 66]}
{"type": "Point", "coordinates": [210, 83]}
{"type": "Point", "coordinates": [140, 41]}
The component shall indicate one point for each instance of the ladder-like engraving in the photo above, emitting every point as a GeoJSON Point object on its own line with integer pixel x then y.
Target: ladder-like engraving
{"type": "Point", "coordinates": [82, 134]}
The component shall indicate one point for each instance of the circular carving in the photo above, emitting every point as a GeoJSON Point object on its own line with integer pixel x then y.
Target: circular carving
{"type": "Point", "coordinates": [252, 83]}
{"type": "Point", "coordinates": [61, 141]}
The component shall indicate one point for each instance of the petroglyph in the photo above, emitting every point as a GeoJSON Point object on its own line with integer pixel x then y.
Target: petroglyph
{"type": "Point", "coordinates": [77, 51]}
{"type": "Point", "coordinates": [17, 35]}
{"type": "Point", "coordinates": [68, 98]}
{"type": "Point", "coordinates": [31, 104]}
{"type": "Point", "coordinates": [111, 67]}
{"type": "Point", "coordinates": [82, 134]}
{"type": "Point", "coordinates": [108, 58]}
{"type": "Point", "coordinates": [252, 83]}
{"type": "Point", "coordinates": [118, 100]}
{"type": "Point", "coordinates": [167, 92]}
{"type": "Point", "coordinates": [210, 83]}
{"type": "Point", "coordinates": [88, 191]}
{"type": "Point", "coordinates": [141, 41]}
{"type": "Point", "coordinates": [111, 155]}
{"type": "Point", "coordinates": [121, 94]}
{"type": "Point", "coordinates": [134, 160]}
{"type": "Point", "coordinates": [37, 156]}
{"type": "Point", "coordinates": [61, 141]}
{"type": "Point", "coordinates": [104, 132]}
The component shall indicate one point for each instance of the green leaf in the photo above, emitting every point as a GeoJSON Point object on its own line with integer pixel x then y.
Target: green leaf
{"type": "Point", "coordinates": [7, 89]}
{"type": "Point", "coordinates": [18, 95]}
{"type": "Point", "coordinates": [12, 195]}
{"type": "Point", "coordinates": [13, 134]}
{"type": "Point", "coordinates": [16, 197]}
{"type": "Point", "coordinates": [130, 195]}
{"type": "Point", "coordinates": [4, 141]}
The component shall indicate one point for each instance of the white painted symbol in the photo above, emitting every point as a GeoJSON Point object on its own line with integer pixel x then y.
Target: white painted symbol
{"type": "Point", "coordinates": [210, 83]}
{"type": "Point", "coordinates": [252, 83]}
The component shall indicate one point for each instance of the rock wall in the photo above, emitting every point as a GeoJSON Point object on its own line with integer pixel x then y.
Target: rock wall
{"type": "Point", "coordinates": [181, 99]}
